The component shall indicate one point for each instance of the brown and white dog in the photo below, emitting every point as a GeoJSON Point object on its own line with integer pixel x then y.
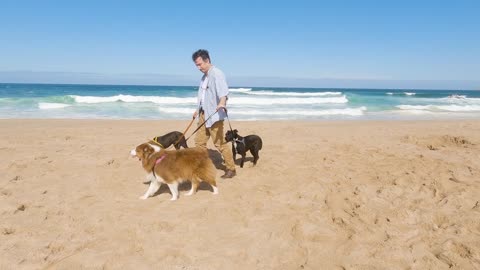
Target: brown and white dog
{"type": "Point", "coordinates": [174, 167]}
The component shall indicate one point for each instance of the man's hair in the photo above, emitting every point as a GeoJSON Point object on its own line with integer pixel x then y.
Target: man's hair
{"type": "Point", "coordinates": [201, 53]}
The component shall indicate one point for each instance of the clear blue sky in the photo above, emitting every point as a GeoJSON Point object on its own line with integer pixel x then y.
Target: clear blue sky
{"type": "Point", "coordinates": [307, 43]}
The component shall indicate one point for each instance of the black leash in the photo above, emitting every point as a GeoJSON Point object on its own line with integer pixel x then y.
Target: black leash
{"type": "Point", "coordinates": [228, 119]}
{"type": "Point", "coordinates": [231, 130]}
{"type": "Point", "coordinates": [200, 125]}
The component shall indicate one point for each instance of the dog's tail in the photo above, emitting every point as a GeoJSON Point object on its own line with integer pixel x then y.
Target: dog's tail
{"type": "Point", "coordinates": [206, 171]}
{"type": "Point", "coordinates": [259, 143]}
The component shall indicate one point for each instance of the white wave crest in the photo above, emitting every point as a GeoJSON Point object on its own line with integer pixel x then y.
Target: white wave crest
{"type": "Point", "coordinates": [348, 111]}
{"type": "Point", "coordinates": [389, 93]}
{"type": "Point", "coordinates": [177, 110]}
{"type": "Point", "coordinates": [293, 94]}
{"type": "Point", "coordinates": [240, 89]}
{"type": "Point", "coordinates": [409, 93]}
{"type": "Point", "coordinates": [454, 96]}
{"type": "Point", "coordinates": [47, 106]}
{"type": "Point", "coordinates": [129, 98]}
{"type": "Point", "coordinates": [462, 99]}
{"type": "Point", "coordinates": [193, 100]}
{"type": "Point", "coordinates": [283, 101]}
{"type": "Point", "coordinates": [447, 108]}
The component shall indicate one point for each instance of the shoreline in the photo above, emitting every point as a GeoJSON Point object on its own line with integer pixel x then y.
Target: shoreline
{"type": "Point", "coordinates": [336, 194]}
{"type": "Point", "coordinates": [250, 121]}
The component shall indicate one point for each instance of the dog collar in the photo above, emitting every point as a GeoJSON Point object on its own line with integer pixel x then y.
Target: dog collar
{"type": "Point", "coordinates": [155, 141]}
{"type": "Point", "coordinates": [160, 159]}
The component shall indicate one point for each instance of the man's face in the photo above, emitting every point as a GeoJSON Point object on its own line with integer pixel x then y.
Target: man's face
{"type": "Point", "coordinates": [203, 66]}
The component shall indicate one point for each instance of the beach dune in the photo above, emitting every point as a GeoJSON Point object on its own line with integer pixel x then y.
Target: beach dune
{"type": "Point", "coordinates": [324, 195]}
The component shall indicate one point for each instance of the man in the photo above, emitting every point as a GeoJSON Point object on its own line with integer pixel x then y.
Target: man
{"type": "Point", "coordinates": [212, 101]}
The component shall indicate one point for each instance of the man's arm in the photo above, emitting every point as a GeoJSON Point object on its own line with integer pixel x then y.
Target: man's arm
{"type": "Point", "coordinates": [222, 103]}
{"type": "Point", "coordinates": [222, 89]}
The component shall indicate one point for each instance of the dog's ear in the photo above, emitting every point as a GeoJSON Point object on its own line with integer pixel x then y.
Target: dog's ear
{"type": "Point", "coordinates": [235, 131]}
{"type": "Point", "coordinates": [147, 148]}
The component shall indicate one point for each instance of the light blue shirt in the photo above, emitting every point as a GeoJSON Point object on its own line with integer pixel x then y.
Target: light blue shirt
{"type": "Point", "coordinates": [216, 88]}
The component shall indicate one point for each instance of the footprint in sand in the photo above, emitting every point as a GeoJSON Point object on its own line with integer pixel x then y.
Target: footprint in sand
{"type": "Point", "coordinates": [454, 253]}
{"type": "Point", "coordinates": [8, 231]}
{"type": "Point", "coordinates": [16, 178]}
{"type": "Point", "coordinates": [5, 192]}
{"type": "Point", "coordinates": [431, 147]}
{"type": "Point", "coordinates": [455, 140]}
{"type": "Point", "coordinates": [20, 208]}
{"type": "Point", "coordinates": [436, 142]}
{"type": "Point", "coordinates": [476, 206]}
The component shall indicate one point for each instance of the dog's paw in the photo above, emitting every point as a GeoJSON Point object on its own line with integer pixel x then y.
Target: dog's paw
{"type": "Point", "coordinates": [174, 199]}
{"type": "Point", "coordinates": [189, 194]}
{"type": "Point", "coordinates": [143, 197]}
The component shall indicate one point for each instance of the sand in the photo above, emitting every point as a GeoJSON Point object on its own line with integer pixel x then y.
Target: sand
{"type": "Point", "coordinates": [324, 195]}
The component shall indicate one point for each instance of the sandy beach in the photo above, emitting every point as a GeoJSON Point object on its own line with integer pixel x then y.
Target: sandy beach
{"type": "Point", "coordinates": [324, 195]}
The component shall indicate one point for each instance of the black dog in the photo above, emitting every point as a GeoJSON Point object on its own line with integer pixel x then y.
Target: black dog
{"type": "Point", "coordinates": [171, 138]}
{"type": "Point", "coordinates": [252, 143]}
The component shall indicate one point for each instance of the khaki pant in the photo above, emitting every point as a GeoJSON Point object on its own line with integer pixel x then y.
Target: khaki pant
{"type": "Point", "coordinates": [218, 138]}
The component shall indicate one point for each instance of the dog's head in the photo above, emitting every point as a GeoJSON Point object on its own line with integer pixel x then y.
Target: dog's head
{"type": "Point", "coordinates": [143, 151]}
{"type": "Point", "coordinates": [230, 136]}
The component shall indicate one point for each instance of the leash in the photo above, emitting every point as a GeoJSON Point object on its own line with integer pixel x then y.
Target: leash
{"type": "Point", "coordinates": [231, 130]}
{"type": "Point", "coordinates": [201, 125]}
{"type": "Point", "coordinates": [183, 134]}
{"type": "Point", "coordinates": [228, 119]}
{"type": "Point", "coordinates": [179, 139]}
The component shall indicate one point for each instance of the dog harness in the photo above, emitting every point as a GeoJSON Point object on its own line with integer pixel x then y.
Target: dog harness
{"type": "Point", "coordinates": [157, 162]}
{"type": "Point", "coordinates": [242, 141]}
{"type": "Point", "coordinates": [160, 159]}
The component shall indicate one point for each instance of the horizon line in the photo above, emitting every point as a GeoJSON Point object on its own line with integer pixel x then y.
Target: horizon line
{"type": "Point", "coordinates": [158, 79]}
{"type": "Point", "coordinates": [237, 86]}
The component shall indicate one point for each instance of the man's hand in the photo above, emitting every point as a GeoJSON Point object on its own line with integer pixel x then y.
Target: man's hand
{"type": "Point", "coordinates": [195, 114]}
{"type": "Point", "coordinates": [221, 107]}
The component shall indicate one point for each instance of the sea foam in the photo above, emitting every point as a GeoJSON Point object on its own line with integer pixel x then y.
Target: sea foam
{"type": "Point", "coordinates": [135, 99]}
{"type": "Point", "coordinates": [276, 112]}
{"type": "Point", "coordinates": [286, 101]}
{"type": "Point", "coordinates": [193, 100]}
{"type": "Point", "coordinates": [47, 106]}
{"type": "Point", "coordinates": [448, 108]}
{"type": "Point", "coordinates": [240, 89]}
{"type": "Point", "coordinates": [293, 94]}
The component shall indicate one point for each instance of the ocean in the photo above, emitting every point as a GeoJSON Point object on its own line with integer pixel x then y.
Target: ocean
{"type": "Point", "coordinates": [245, 103]}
